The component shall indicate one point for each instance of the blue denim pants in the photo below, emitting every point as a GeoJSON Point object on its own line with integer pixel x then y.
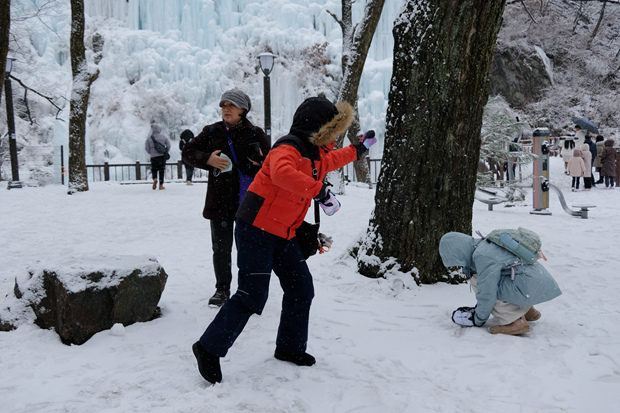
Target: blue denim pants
{"type": "Point", "coordinates": [258, 253]}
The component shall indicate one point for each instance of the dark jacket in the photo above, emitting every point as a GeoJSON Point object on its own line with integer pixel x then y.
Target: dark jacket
{"type": "Point", "coordinates": [222, 199]}
{"type": "Point", "coordinates": [592, 146]}
{"type": "Point", "coordinates": [608, 159]}
{"type": "Point", "coordinates": [282, 192]}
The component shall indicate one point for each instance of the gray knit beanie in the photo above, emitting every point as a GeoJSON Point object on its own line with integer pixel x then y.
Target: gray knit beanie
{"type": "Point", "coordinates": [237, 98]}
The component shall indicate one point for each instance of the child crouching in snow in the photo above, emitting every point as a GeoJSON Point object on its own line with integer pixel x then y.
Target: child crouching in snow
{"type": "Point", "coordinates": [488, 266]}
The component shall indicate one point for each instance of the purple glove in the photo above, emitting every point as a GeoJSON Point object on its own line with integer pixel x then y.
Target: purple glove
{"type": "Point", "coordinates": [369, 139]}
{"type": "Point", "coordinates": [330, 204]}
{"type": "Point", "coordinates": [364, 143]}
{"type": "Point", "coordinates": [464, 316]}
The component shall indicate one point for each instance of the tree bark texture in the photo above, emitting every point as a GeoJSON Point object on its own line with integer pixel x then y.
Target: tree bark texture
{"type": "Point", "coordinates": [5, 24]}
{"type": "Point", "coordinates": [78, 107]}
{"type": "Point", "coordinates": [442, 57]}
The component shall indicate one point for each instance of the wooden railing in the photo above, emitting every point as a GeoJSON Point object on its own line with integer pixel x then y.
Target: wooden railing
{"type": "Point", "coordinates": [176, 171]}
{"type": "Point", "coordinates": [138, 172]}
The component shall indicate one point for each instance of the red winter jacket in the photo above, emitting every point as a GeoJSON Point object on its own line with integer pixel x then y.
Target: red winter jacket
{"type": "Point", "coordinates": [282, 191]}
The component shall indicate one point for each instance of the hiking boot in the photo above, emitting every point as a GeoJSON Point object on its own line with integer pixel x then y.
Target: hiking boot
{"type": "Point", "coordinates": [161, 187]}
{"type": "Point", "coordinates": [301, 359]}
{"type": "Point", "coordinates": [154, 183]}
{"type": "Point", "coordinates": [219, 298]}
{"type": "Point", "coordinates": [208, 364]}
{"type": "Point", "coordinates": [519, 326]}
{"type": "Point", "coordinates": [189, 183]}
{"type": "Point", "coordinates": [532, 314]}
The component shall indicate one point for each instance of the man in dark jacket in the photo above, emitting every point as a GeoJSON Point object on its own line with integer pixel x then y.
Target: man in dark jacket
{"type": "Point", "coordinates": [272, 210]}
{"type": "Point", "coordinates": [213, 150]}
{"type": "Point", "coordinates": [186, 136]}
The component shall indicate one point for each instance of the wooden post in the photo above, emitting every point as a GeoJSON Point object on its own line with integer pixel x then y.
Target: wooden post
{"type": "Point", "coordinates": [180, 169]}
{"type": "Point", "coordinates": [106, 171]}
{"type": "Point", "coordinates": [138, 171]}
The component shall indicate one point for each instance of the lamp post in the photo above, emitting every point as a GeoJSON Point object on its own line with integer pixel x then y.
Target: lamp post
{"type": "Point", "coordinates": [266, 65]}
{"type": "Point", "coordinates": [14, 183]}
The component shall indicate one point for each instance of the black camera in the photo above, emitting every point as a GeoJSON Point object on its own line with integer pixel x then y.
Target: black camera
{"type": "Point", "coordinates": [254, 153]}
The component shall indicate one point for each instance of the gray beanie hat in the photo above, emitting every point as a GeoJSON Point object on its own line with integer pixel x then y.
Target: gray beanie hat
{"type": "Point", "coordinates": [237, 98]}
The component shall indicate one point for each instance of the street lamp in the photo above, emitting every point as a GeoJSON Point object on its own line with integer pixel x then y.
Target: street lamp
{"type": "Point", "coordinates": [266, 65]}
{"type": "Point", "coordinates": [14, 183]}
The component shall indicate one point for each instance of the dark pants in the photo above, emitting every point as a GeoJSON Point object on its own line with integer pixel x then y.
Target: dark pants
{"type": "Point", "coordinates": [609, 181]}
{"type": "Point", "coordinates": [189, 171]}
{"type": "Point", "coordinates": [158, 167]}
{"type": "Point", "coordinates": [258, 254]}
{"type": "Point", "coordinates": [587, 182]}
{"type": "Point", "coordinates": [222, 236]}
{"type": "Point", "coordinates": [575, 182]}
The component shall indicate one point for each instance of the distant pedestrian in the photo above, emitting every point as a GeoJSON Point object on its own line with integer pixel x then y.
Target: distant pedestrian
{"type": "Point", "coordinates": [186, 136]}
{"type": "Point", "coordinates": [158, 147]}
{"type": "Point", "coordinates": [587, 161]}
{"type": "Point", "coordinates": [608, 160]}
{"type": "Point", "coordinates": [600, 145]}
{"type": "Point", "coordinates": [576, 168]}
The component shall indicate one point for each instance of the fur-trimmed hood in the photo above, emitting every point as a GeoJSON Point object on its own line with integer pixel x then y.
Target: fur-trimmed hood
{"type": "Point", "coordinates": [320, 121]}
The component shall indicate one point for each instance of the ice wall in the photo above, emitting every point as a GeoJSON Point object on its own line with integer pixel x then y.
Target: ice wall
{"type": "Point", "coordinates": [169, 61]}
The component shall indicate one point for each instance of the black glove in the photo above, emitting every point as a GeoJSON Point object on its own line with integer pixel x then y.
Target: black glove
{"type": "Point", "coordinates": [324, 193]}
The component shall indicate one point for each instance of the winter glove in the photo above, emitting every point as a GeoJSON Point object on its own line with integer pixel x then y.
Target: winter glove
{"type": "Point", "coordinates": [365, 143]}
{"type": "Point", "coordinates": [327, 200]}
{"type": "Point", "coordinates": [464, 316]}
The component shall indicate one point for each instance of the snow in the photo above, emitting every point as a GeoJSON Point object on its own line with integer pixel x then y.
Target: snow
{"type": "Point", "coordinates": [382, 345]}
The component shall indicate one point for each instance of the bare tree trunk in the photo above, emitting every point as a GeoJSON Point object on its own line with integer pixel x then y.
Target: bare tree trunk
{"type": "Point", "coordinates": [78, 107]}
{"type": "Point", "coordinates": [5, 25]}
{"type": "Point", "coordinates": [355, 44]}
{"type": "Point", "coordinates": [442, 57]}
{"type": "Point", "coordinates": [598, 24]}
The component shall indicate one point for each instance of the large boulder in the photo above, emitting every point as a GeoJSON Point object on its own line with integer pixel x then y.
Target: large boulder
{"type": "Point", "coordinates": [80, 297]}
{"type": "Point", "coordinates": [520, 73]}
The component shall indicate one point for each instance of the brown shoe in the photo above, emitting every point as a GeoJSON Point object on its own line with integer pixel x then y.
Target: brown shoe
{"type": "Point", "coordinates": [162, 187]}
{"type": "Point", "coordinates": [154, 184]}
{"type": "Point", "coordinates": [519, 326]}
{"type": "Point", "coordinates": [532, 314]}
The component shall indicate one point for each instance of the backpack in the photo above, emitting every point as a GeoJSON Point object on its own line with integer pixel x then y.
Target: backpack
{"type": "Point", "coordinates": [522, 242]}
{"type": "Point", "coordinates": [158, 146]}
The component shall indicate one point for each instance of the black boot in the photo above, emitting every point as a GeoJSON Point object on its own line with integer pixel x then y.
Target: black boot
{"type": "Point", "coordinates": [301, 359]}
{"type": "Point", "coordinates": [208, 364]}
{"type": "Point", "coordinates": [219, 298]}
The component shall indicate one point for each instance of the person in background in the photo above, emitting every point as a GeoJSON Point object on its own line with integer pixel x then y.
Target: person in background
{"type": "Point", "coordinates": [186, 136]}
{"type": "Point", "coordinates": [580, 136]}
{"type": "Point", "coordinates": [268, 218]}
{"type": "Point", "coordinates": [600, 145]}
{"type": "Point", "coordinates": [608, 160]}
{"type": "Point", "coordinates": [590, 165]}
{"type": "Point", "coordinates": [567, 153]}
{"type": "Point", "coordinates": [212, 149]}
{"type": "Point", "coordinates": [488, 266]}
{"type": "Point", "coordinates": [158, 159]}
{"type": "Point", "coordinates": [576, 168]}
{"type": "Point", "coordinates": [587, 162]}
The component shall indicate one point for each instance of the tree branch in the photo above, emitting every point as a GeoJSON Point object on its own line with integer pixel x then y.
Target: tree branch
{"type": "Point", "coordinates": [49, 99]}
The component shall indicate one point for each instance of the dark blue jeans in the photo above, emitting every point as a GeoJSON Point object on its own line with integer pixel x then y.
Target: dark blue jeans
{"type": "Point", "coordinates": [222, 235]}
{"type": "Point", "coordinates": [259, 253]}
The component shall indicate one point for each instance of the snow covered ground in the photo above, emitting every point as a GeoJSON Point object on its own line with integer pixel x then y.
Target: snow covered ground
{"type": "Point", "coordinates": [382, 345]}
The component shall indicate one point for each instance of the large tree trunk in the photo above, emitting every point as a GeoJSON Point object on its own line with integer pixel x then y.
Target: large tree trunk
{"type": "Point", "coordinates": [5, 24]}
{"type": "Point", "coordinates": [355, 44]}
{"type": "Point", "coordinates": [442, 56]}
{"type": "Point", "coordinates": [82, 79]}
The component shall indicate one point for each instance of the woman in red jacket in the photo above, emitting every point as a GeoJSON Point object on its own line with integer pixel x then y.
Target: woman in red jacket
{"type": "Point", "coordinates": [272, 209]}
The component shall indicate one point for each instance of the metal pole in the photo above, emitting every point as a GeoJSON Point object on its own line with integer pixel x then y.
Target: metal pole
{"type": "Point", "coordinates": [267, 93]}
{"type": "Point", "coordinates": [12, 142]}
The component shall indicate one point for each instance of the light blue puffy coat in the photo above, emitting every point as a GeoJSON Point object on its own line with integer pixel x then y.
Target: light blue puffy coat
{"type": "Point", "coordinates": [532, 283]}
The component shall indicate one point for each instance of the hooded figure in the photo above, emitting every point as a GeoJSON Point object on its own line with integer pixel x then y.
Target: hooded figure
{"type": "Point", "coordinates": [271, 211]}
{"type": "Point", "coordinates": [489, 268]}
{"type": "Point", "coordinates": [153, 146]}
